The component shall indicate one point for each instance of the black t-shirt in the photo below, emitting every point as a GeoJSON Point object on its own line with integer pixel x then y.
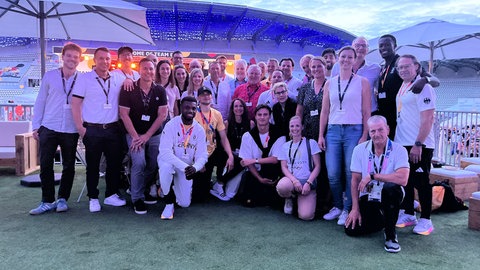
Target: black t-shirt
{"type": "Point", "coordinates": [388, 86]}
{"type": "Point", "coordinates": [143, 106]}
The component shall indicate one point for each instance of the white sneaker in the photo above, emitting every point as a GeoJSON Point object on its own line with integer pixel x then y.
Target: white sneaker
{"type": "Point", "coordinates": [333, 214]}
{"type": "Point", "coordinates": [424, 227]}
{"type": "Point", "coordinates": [114, 200]}
{"type": "Point", "coordinates": [342, 218]}
{"type": "Point", "coordinates": [217, 191]}
{"type": "Point", "coordinates": [94, 206]}
{"type": "Point", "coordinates": [168, 211]}
{"type": "Point", "coordinates": [405, 220]}
{"type": "Point", "coordinates": [288, 207]}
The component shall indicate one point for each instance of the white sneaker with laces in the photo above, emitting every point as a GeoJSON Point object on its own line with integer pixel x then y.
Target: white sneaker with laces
{"type": "Point", "coordinates": [168, 211]}
{"type": "Point", "coordinates": [333, 214]}
{"type": "Point", "coordinates": [217, 191]}
{"type": "Point", "coordinates": [114, 200]}
{"type": "Point", "coordinates": [288, 207]}
{"type": "Point", "coordinates": [94, 206]}
{"type": "Point", "coordinates": [342, 218]}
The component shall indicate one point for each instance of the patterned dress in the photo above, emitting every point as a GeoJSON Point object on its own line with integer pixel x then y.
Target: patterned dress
{"type": "Point", "coordinates": [312, 106]}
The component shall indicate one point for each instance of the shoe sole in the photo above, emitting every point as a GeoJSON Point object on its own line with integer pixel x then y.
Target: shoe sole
{"type": "Point", "coordinates": [150, 202]}
{"type": "Point", "coordinates": [141, 212]}
{"type": "Point", "coordinates": [95, 210]}
{"type": "Point", "coordinates": [61, 210]}
{"type": "Point", "coordinates": [166, 218]}
{"type": "Point", "coordinates": [393, 250]}
{"type": "Point", "coordinates": [408, 224]}
{"type": "Point", "coordinates": [428, 232]}
{"type": "Point", "coordinates": [41, 213]}
{"type": "Point", "coordinates": [117, 205]}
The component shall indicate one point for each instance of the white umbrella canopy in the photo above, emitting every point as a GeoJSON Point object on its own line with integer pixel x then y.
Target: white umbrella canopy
{"type": "Point", "coordinates": [434, 40]}
{"type": "Point", "coordinates": [99, 20]}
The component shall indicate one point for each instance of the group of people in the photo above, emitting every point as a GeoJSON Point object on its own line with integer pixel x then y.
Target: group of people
{"type": "Point", "coordinates": [349, 141]}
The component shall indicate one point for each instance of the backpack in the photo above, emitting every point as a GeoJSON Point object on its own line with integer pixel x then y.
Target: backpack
{"type": "Point", "coordinates": [450, 202]}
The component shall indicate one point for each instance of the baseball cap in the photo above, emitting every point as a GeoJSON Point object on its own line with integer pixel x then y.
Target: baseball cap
{"type": "Point", "coordinates": [124, 49]}
{"type": "Point", "coordinates": [204, 89]}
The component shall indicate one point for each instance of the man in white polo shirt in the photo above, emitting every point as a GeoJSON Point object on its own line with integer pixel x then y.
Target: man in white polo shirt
{"type": "Point", "coordinates": [95, 112]}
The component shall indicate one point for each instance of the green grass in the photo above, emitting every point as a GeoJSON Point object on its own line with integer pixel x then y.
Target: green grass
{"type": "Point", "coordinates": [214, 235]}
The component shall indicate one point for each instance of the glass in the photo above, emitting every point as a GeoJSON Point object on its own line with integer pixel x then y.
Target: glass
{"type": "Point", "coordinates": [403, 67]}
{"type": "Point", "coordinates": [360, 46]}
{"type": "Point", "coordinates": [280, 93]}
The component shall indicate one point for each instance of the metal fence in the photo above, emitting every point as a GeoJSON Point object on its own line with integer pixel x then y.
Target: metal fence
{"type": "Point", "coordinates": [457, 135]}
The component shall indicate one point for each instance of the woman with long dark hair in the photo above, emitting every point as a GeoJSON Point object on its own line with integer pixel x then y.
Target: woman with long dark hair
{"type": "Point", "coordinates": [164, 77]}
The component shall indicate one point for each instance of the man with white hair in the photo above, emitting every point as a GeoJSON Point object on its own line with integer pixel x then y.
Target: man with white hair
{"type": "Point", "coordinates": [240, 75]}
{"type": "Point", "coordinates": [250, 92]}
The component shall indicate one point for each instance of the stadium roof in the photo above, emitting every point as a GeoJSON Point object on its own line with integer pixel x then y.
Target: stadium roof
{"type": "Point", "coordinates": [213, 27]}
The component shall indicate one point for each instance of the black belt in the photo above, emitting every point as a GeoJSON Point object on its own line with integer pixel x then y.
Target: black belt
{"type": "Point", "coordinates": [104, 126]}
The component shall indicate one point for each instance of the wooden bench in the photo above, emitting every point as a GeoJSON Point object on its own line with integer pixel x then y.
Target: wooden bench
{"type": "Point", "coordinates": [463, 183]}
{"type": "Point", "coordinates": [18, 148]}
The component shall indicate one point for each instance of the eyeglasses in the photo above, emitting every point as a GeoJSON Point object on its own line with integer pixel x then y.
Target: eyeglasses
{"type": "Point", "coordinates": [360, 46]}
{"type": "Point", "coordinates": [281, 93]}
{"type": "Point", "coordinates": [403, 67]}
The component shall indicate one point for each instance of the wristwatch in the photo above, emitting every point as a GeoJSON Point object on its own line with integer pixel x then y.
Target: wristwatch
{"type": "Point", "coordinates": [371, 176]}
{"type": "Point", "coordinates": [256, 161]}
{"type": "Point", "coordinates": [418, 143]}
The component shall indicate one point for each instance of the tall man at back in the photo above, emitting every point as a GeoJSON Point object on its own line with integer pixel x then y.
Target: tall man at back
{"type": "Point", "coordinates": [53, 126]}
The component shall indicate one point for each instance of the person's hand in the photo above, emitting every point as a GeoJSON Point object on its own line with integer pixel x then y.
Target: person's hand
{"type": "Point", "coordinates": [247, 162]}
{"type": "Point", "coordinates": [321, 142]}
{"type": "Point", "coordinates": [354, 218]}
{"type": "Point", "coordinates": [128, 85]}
{"type": "Point", "coordinates": [306, 189]}
{"type": "Point", "coordinates": [417, 87]}
{"type": "Point", "coordinates": [266, 181]}
{"type": "Point", "coordinates": [190, 171]}
{"type": "Point", "coordinates": [362, 139]}
{"type": "Point", "coordinates": [35, 134]}
{"type": "Point", "coordinates": [364, 183]}
{"type": "Point", "coordinates": [297, 186]}
{"type": "Point", "coordinates": [230, 163]}
{"type": "Point", "coordinates": [82, 131]}
{"type": "Point", "coordinates": [415, 154]}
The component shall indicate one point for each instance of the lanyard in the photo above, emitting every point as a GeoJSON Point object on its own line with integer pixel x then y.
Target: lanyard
{"type": "Point", "coordinates": [383, 160]}
{"type": "Point", "coordinates": [385, 74]}
{"type": "Point", "coordinates": [205, 120]}
{"type": "Point", "coordinates": [292, 160]}
{"type": "Point", "coordinates": [321, 88]}
{"type": "Point", "coordinates": [106, 92]}
{"type": "Point", "coordinates": [238, 81]}
{"type": "Point", "coordinates": [341, 96]}
{"type": "Point", "coordinates": [71, 86]}
{"type": "Point", "coordinates": [250, 95]}
{"type": "Point", "coordinates": [215, 93]}
{"type": "Point", "coordinates": [128, 76]}
{"type": "Point", "coordinates": [186, 136]}
{"type": "Point", "coordinates": [403, 89]}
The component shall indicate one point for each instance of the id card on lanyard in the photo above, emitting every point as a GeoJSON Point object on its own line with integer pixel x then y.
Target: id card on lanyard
{"type": "Point", "coordinates": [375, 187]}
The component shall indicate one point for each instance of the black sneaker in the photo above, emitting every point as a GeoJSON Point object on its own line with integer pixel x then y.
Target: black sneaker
{"type": "Point", "coordinates": [149, 199]}
{"type": "Point", "coordinates": [139, 207]}
{"type": "Point", "coordinates": [392, 246]}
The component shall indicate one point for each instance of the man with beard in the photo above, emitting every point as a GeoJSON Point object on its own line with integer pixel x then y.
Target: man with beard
{"type": "Point", "coordinates": [182, 153]}
{"type": "Point", "coordinates": [330, 58]}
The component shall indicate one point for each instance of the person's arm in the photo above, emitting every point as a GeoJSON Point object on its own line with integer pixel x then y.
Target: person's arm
{"type": "Point", "coordinates": [354, 217]}
{"type": "Point", "coordinates": [201, 153]}
{"type": "Point", "coordinates": [227, 148]}
{"type": "Point", "coordinates": [77, 114]}
{"type": "Point", "coordinates": [426, 123]}
{"type": "Point", "coordinates": [313, 175]}
{"type": "Point", "coordinates": [39, 107]}
{"type": "Point", "coordinates": [299, 111]}
{"type": "Point", "coordinates": [427, 78]}
{"type": "Point", "coordinates": [399, 176]}
{"type": "Point", "coordinates": [167, 148]}
{"type": "Point", "coordinates": [324, 115]}
{"type": "Point", "coordinates": [366, 108]}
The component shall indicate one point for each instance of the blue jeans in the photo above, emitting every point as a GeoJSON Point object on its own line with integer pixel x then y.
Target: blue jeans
{"type": "Point", "coordinates": [340, 141]}
{"type": "Point", "coordinates": [144, 166]}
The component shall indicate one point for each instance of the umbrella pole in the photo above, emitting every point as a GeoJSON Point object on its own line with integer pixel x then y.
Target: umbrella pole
{"type": "Point", "coordinates": [42, 37]}
{"type": "Point", "coordinates": [430, 63]}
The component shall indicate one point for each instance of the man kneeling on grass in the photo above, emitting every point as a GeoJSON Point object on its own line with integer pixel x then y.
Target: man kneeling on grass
{"type": "Point", "coordinates": [379, 172]}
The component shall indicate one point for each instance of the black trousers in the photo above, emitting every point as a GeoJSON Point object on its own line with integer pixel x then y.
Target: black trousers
{"type": "Point", "coordinates": [202, 180]}
{"type": "Point", "coordinates": [253, 193]}
{"type": "Point", "coordinates": [419, 178]}
{"type": "Point", "coordinates": [109, 141]}
{"type": "Point", "coordinates": [379, 215]}
{"type": "Point", "coordinates": [49, 142]}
